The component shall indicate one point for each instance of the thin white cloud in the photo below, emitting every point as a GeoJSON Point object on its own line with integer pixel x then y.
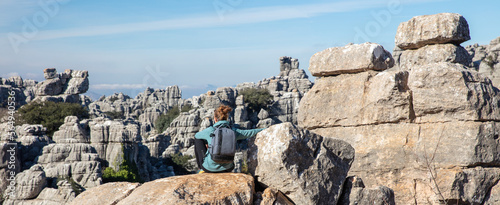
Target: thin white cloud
{"type": "Point", "coordinates": [11, 74]}
{"type": "Point", "coordinates": [237, 17]}
{"type": "Point", "coordinates": [117, 86]}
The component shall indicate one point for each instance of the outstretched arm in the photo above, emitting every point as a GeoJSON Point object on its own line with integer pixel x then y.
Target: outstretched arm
{"type": "Point", "coordinates": [245, 134]}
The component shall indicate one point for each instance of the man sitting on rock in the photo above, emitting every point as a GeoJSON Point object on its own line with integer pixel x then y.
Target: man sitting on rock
{"type": "Point", "coordinates": [203, 140]}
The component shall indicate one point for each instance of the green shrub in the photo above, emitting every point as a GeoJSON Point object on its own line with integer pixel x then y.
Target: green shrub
{"type": "Point", "coordinates": [181, 160]}
{"type": "Point", "coordinates": [127, 172]}
{"type": "Point", "coordinates": [257, 98]}
{"type": "Point", "coordinates": [163, 122]}
{"type": "Point", "coordinates": [180, 163]}
{"type": "Point", "coordinates": [186, 108]}
{"type": "Point", "coordinates": [112, 99]}
{"type": "Point", "coordinates": [115, 115]}
{"type": "Point", "coordinates": [50, 114]}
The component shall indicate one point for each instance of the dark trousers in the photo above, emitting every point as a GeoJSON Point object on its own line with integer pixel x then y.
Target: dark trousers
{"type": "Point", "coordinates": [200, 149]}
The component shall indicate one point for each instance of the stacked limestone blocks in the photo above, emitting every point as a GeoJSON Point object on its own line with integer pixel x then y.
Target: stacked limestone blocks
{"type": "Point", "coordinates": [64, 87]}
{"type": "Point", "coordinates": [432, 39]}
{"type": "Point", "coordinates": [428, 131]}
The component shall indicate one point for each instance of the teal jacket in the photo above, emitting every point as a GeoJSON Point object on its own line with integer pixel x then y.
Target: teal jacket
{"type": "Point", "coordinates": [208, 163]}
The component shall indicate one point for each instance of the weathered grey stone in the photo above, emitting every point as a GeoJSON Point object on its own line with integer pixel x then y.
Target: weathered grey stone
{"type": "Point", "coordinates": [353, 58]}
{"type": "Point", "coordinates": [10, 165]}
{"type": "Point", "coordinates": [226, 95]}
{"type": "Point", "coordinates": [78, 73]}
{"type": "Point", "coordinates": [348, 100]}
{"type": "Point", "coordinates": [263, 114]}
{"type": "Point", "coordinates": [30, 183]}
{"type": "Point", "coordinates": [157, 144]}
{"type": "Point", "coordinates": [434, 54]}
{"type": "Point", "coordinates": [486, 60]}
{"type": "Point", "coordinates": [401, 162]}
{"type": "Point", "coordinates": [71, 132]}
{"type": "Point", "coordinates": [471, 186]}
{"type": "Point", "coordinates": [445, 92]}
{"type": "Point", "coordinates": [286, 107]}
{"type": "Point", "coordinates": [78, 161]}
{"type": "Point", "coordinates": [170, 151]}
{"type": "Point", "coordinates": [49, 87]}
{"type": "Point", "coordinates": [50, 73]}
{"type": "Point", "coordinates": [432, 29]}
{"type": "Point", "coordinates": [64, 194]}
{"type": "Point", "coordinates": [77, 86]}
{"type": "Point", "coordinates": [16, 81]}
{"type": "Point", "coordinates": [32, 138]}
{"type": "Point", "coordinates": [355, 193]}
{"type": "Point", "coordinates": [183, 128]}
{"type": "Point", "coordinates": [212, 101]}
{"type": "Point", "coordinates": [310, 169]}
{"type": "Point", "coordinates": [288, 64]}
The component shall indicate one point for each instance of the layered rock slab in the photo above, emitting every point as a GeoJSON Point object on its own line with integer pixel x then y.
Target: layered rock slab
{"type": "Point", "coordinates": [446, 92]}
{"type": "Point", "coordinates": [433, 54]}
{"type": "Point", "coordinates": [353, 58]}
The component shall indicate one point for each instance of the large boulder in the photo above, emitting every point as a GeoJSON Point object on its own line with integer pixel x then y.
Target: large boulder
{"type": "Point", "coordinates": [348, 100]}
{"type": "Point", "coordinates": [352, 58]}
{"type": "Point", "coordinates": [308, 168]}
{"type": "Point", "coordinates": [432, 29]}
{"type": "Point", "coordinates": [30, 183]}
{"type": "Point", "coordinates": [228, 188]}
{"type": "Point", "coordinates": [49, 87]}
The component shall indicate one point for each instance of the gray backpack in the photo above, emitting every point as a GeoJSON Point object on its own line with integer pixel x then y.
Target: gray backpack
{"type": "Point", "coordinates": [223, 145]}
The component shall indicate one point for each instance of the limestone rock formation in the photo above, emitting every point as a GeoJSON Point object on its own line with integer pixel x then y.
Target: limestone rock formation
{"type": "Point", "coordinates": [72, 131]}
{"type": "Point", "coordinates": [309, 168]}
{"type": "Point", "coordinates": [427, 129]}
{"type": "Point", "coordinates": [23, 91]}
{"type": "Point", "coordinates": [117, 140]}
{"type": "Point", "coordinates": [486, 58]}
{"type": "Point", "coordinates": [226, 188]}
{"type": "Point", "coordinates": [432, 39]}
{"type": "Point", "coordinates": [432, 29]}
{"type": "Point", "coordinates": [352, 58]}
{"type": "Point", "coordinates": [30, 183]}
{"type": "Point", "coordinates": [78, 160]}
{"type": "Point", "coordinates": [364, 98]}
{"type": "Point", "coordinates": [62, 87]}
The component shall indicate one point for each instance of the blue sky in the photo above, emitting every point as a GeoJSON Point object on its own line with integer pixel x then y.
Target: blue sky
{"type": "Point", "coordinates": [199, 45]}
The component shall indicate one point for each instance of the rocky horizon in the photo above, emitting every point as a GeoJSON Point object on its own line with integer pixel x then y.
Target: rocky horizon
{"type": "Point", "coordinates": [418, 126]}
